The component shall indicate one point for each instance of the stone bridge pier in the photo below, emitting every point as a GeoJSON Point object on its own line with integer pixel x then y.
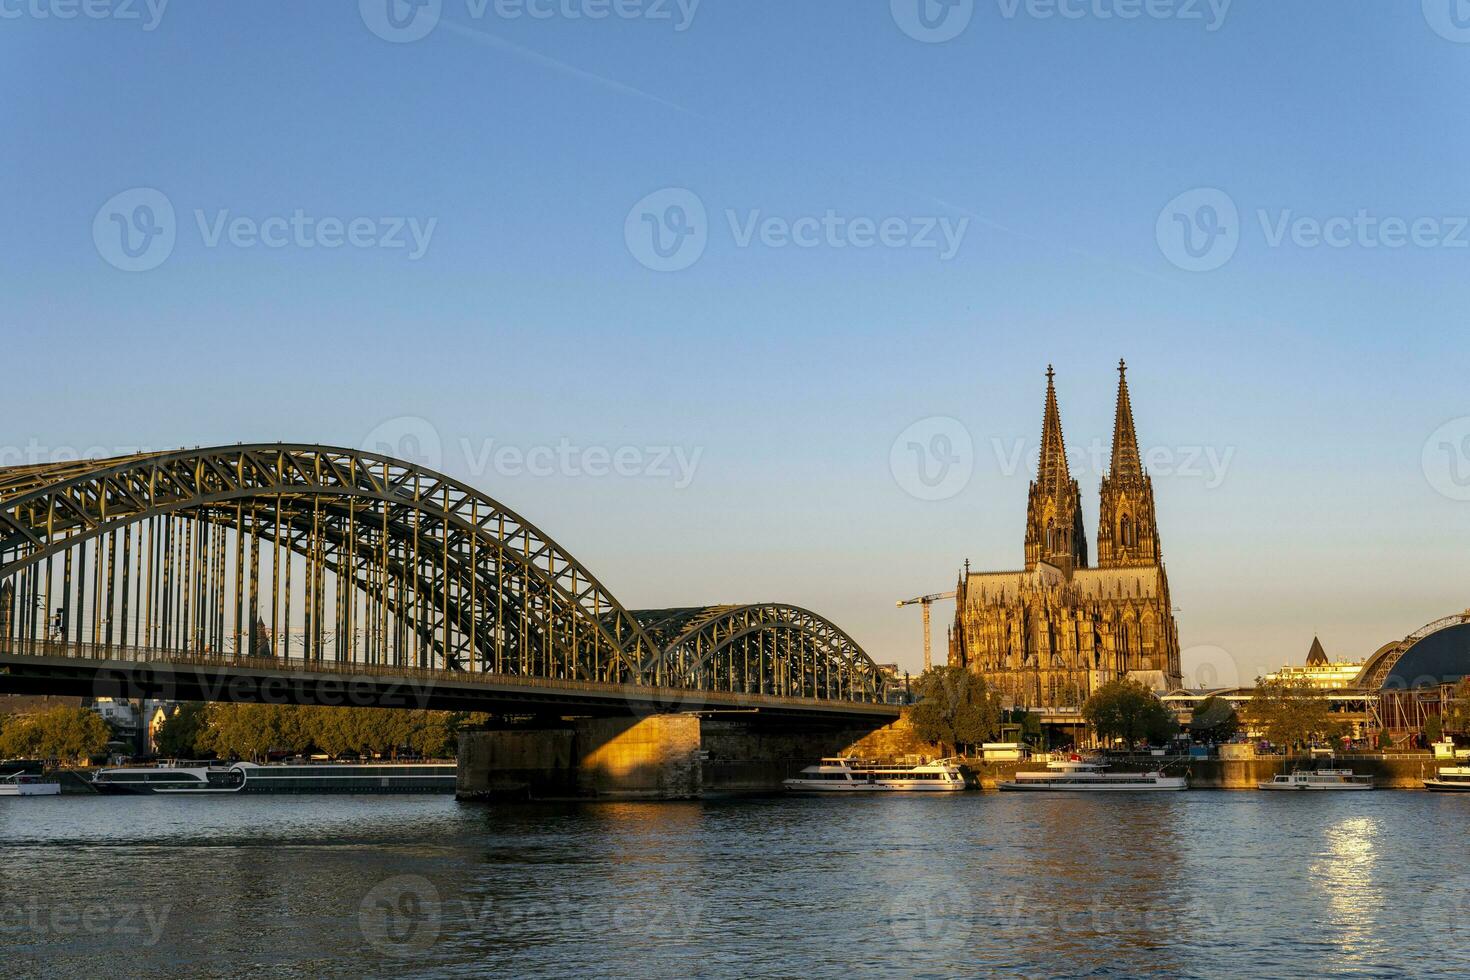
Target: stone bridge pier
{"type": "Point", "coordinates": [663, 756]}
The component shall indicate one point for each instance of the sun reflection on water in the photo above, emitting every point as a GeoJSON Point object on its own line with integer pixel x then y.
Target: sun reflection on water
{"type": "Point", "coordinates": [1345, 875]}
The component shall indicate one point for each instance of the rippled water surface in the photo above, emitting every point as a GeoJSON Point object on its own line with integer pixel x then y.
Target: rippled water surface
{"type": "Point", "coordinates": [1191, 884]}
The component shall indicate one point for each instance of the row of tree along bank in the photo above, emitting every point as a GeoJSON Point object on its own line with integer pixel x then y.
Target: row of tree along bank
{"type": "Point", "coordinates": [955, 709]}
{"type": "Point", "coordinates": [253, 732]}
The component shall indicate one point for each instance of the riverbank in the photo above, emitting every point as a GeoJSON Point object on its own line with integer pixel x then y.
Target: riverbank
{"type": "Point", "coordinates": [1400, 771]}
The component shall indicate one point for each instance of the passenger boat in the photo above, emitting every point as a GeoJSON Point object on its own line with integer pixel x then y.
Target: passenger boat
{"type": "Point", "coordinates": [1318, 779]}
{"type": "Point", "coordinates": [1079, 776]}
{"type": "Point", "coordinates": [1450, 779]}
{"type": "Point", "coordinates": [28, 784]}
{"type": "Point", "coordinates": [247, 777]}
{"type": "Point", "coordinates": [845, 775]}
{"type": "Point", "coordinates": [136, 780]}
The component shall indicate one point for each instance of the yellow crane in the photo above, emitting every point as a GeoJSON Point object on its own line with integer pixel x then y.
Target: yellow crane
{"type": "Point", "coordinates": [925, 601]}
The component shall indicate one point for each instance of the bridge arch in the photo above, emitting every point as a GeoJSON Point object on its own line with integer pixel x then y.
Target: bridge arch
{"type": "Point", "coordinates": [196, 551]}
{"type": "Point", "coordinates": [330, 555]}
{"type": "Point", "coordinates": [771, 648]}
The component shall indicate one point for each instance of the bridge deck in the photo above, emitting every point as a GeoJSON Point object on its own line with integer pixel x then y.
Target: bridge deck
{"type": "Point", "coordinates": [95, 671]}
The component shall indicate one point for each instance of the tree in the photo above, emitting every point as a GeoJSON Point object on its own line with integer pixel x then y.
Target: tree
{"type": "Point", "coordinates": [19, 739]}
{"type": "Point", "coordinates": [1288, 712]}
{"type": "Point", "coordinates": [954, 708]}
{"type": "Point", "coordinates": [178, 736]}
{"type": "Point", "coordinates": [1214, 720]}
{"type": "Point", "coordinates": [66, 734]}
{"type": "Point", "coordinates": [1029, 723]}
{"type": "Point", "coordinates": [1128, 710]}
{"type": "Point", "coordinates": [248, 731]}
{"type": "Point", "coordinates": [1433, 729]}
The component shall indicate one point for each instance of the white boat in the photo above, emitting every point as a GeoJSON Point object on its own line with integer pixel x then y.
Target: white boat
{"type": "Point", "coordinates": [247, 777]}
{"type": "Point", "coordinates": [134, 780]}
{"type": "Point", "coordinates": [845, 775]}
{"type": "Point", "coordinates": [1080, 776]}
{"type": "Point", "coordinates": [27, 784]}
{"type": "Point", "coordinates": [1318, 779]}
{"type": "Point", "coordinates": [1450, 779]}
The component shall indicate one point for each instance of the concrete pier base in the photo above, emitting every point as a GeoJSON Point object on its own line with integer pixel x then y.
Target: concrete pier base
{"type": "Point", "coordinates": [586, 758]}
{"type": "Point", "coordinates": [661, 757]}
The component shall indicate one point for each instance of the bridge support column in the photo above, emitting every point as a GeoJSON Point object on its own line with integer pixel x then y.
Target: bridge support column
{"type": "Point", "coordinates": [655, 758]}
{"type": "Point", "coordinates": [662, 757]}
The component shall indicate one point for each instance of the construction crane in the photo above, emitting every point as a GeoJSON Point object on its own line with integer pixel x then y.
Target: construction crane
{"type": "Point", "coordinates": [926, 601]}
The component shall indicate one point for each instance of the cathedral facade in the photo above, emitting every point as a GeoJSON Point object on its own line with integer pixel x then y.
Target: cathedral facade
{"type": "Point", "coordinates": [1048, 635]}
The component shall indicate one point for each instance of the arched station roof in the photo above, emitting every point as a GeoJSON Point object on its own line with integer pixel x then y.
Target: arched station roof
{"type": "Point", "coordinates": [1441, 657]}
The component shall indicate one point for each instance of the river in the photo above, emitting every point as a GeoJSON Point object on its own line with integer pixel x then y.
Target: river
{"type": "Point", "coordinates": [1191, 884]}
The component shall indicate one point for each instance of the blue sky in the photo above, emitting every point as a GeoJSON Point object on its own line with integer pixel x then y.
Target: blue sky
{"type": "Point", "coordinates": [1059, 151]}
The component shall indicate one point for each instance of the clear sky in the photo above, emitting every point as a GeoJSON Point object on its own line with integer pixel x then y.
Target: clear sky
{"type": "Point", "coordinates": [868, 215]}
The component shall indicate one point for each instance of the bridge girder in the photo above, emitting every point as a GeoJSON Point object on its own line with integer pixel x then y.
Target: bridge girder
{"type": "Point", "coordinates": [193, 551]}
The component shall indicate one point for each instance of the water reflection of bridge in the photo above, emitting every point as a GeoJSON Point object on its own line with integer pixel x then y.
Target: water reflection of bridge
{"type": "Point", "coordinates": [312, 574]}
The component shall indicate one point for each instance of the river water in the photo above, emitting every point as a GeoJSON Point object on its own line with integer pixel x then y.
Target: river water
{"type": "Point", "coordinates": [1189, 884]}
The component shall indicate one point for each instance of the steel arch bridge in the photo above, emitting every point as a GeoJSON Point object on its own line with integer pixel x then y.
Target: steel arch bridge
{"type": "Point", "coordinates": [787, 649]}
{"type": "Point", "coordinates": [293, 558]}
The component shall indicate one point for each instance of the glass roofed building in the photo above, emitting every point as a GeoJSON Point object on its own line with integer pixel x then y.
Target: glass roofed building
{"type": "Point", "coordinates": [1418, 676]}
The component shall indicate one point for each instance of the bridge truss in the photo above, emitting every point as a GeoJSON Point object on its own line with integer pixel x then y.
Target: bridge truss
{"type": "Point", "coordinates": [349, 560]}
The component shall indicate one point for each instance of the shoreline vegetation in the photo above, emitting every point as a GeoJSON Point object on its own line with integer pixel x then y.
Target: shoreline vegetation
{"type": "Point", "coordinates": [250, 732]}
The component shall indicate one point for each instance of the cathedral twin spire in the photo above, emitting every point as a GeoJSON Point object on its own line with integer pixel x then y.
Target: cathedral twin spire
{"type": "Point", "coordinates": [1054, 531]}
{"type": "Point", "coordinates": [1051, 468]}
{"type": "Point", "coordinates": [1125, 464]}
{"type": "Point", "coordinates": [1127, 533]}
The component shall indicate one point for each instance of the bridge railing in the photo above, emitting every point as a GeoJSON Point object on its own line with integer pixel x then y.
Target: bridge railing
{"type": "Point", "coordinates": [425, 677]}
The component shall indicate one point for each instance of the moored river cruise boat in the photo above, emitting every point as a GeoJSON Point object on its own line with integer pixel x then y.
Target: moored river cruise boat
{"type": "Point", "coordinates": [28, 784]}
{"type": "Point", "coordinates": [1079, 776]}
{"type": "Point", "coordinates": [1318, 779]}
{"type": "Point", "coordinates": [843, 775]}
{"type": "Point", "coordinates": [247, 777]}
{"type": "Point", "coordinates": [1450, 779]}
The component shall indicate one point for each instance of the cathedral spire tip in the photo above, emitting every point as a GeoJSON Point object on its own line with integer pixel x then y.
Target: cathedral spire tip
{"type": "Point", "coordinates": [1126, 463]}
{"type": "Point", "coordinates": [1051, 466]}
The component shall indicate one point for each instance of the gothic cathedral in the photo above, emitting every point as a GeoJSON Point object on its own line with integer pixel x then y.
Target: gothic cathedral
{"type": "Point", "coordinates": [1049, 635]}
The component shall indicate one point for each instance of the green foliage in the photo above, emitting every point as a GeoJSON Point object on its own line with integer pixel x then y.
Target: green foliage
{"type": "Point", "coordinates": [1214, 720]}
{"type": "Point", "coordinates": [1385, 740]}
{"type": "Point", "coordinates": [1289, 712]}
{"type": "Point", "coordinates": [1126, 709]}
{"type": "Point", "coordinates": [178, 736]}
{"type": "Point", "coordinates": [17, 738]}
{"type": "Point", "coordinates": [1030, 723]}
{"type": "Point", "coordinates": [1433, 729]}
{"type": "Point", "coordinates": [64, 734]}
{"type": "Point", "coordinates": [954, 708]}
{"type": "Point", "coordinates": [250, 731]}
